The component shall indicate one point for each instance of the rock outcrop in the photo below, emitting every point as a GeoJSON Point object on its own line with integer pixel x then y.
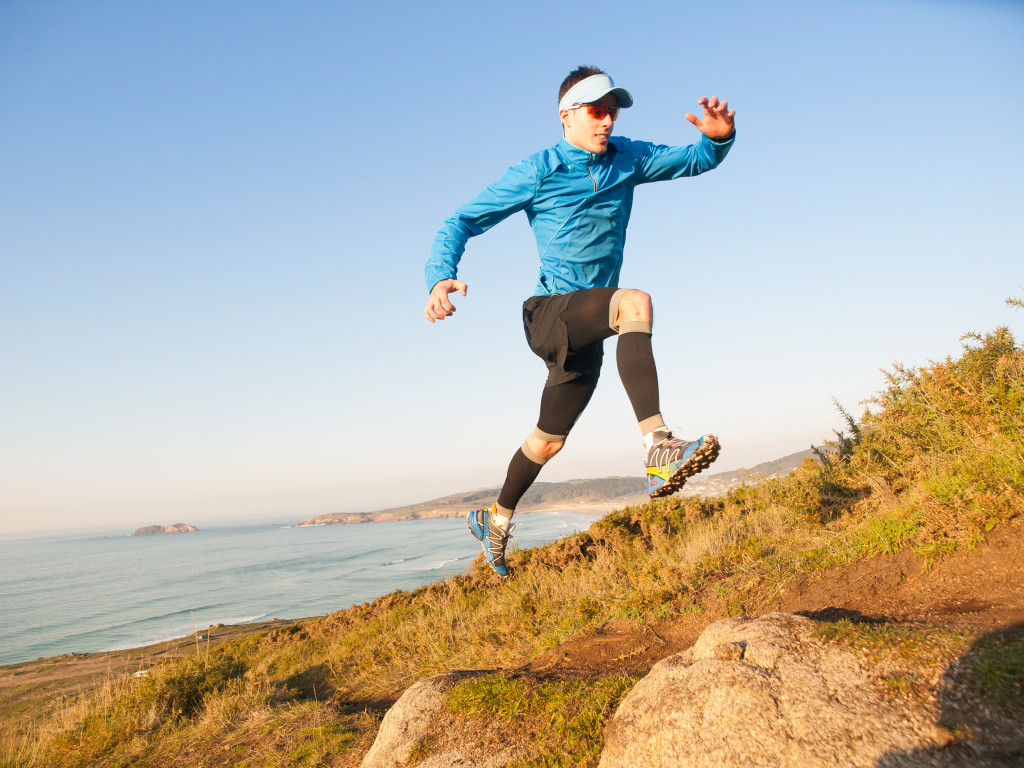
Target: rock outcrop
{"type": "Point", "coordinates": [151, 530]}
{"type": "Point", "coordinates": [765, 692]}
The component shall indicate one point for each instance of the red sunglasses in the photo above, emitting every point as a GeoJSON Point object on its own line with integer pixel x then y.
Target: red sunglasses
{"type": "Point", "coordinates": [598, 112]}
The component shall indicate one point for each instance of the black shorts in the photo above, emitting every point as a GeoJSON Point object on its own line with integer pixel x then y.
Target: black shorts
{"type": "Point", "coordinates": [571, 352]}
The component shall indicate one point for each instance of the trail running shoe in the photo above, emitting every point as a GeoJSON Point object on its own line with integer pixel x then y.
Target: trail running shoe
{"type": "Point", "coordinates": [491, 537]}
{"type": "Point", "coordinates": [671, 460]}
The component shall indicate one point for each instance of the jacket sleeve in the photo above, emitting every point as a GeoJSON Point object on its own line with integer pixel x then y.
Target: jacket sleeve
{"type": "Point", "coordinates": [511, 193]}
{"type": "Point", "coordinates": [657, 162]}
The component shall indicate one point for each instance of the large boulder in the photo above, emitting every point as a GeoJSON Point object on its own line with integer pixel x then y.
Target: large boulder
{"type": "Point", "coordinates": [765, 692]}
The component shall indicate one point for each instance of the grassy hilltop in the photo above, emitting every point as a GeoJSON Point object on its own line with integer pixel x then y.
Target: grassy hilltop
{"type": "Point", "coordinates": [932, 473]}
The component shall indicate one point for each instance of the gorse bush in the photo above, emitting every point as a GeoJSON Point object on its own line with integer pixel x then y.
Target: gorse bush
{"type": "Point", "coordinates": [171, 695]}
{"type": "Point", "coordinates": [951, 435]}
{"type": "Point", "coordinates": [179, 690]}
{"type": "Point", "coordinates": [935, 461]}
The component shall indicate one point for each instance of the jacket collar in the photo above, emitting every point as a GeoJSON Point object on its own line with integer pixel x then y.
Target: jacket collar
{"type": "Point", "coordinates": [574, 154]}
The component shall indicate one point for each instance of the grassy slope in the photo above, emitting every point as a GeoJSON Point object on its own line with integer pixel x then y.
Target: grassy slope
{"type": "Point", "coordinates": [937, 461]}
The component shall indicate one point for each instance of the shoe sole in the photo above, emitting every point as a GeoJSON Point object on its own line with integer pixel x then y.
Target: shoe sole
{"type": "Point", "coordinates": [700, 461]}
{"type": "Point", "coordinates": [470, 526]}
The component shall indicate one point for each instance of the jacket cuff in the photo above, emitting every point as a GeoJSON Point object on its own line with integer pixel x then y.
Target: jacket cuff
{"type": "Point", "coordinates": [727, 142]}
{"type": "Point", "coordinates": [435, 275]}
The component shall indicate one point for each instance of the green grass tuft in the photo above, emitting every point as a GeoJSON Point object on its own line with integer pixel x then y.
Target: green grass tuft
{"type": "Point", "coordinates": [917, 643]}
{"type": "Point", "coordinates": [996, 667]}
{"type": "Point", "coordinates": [572, 714]}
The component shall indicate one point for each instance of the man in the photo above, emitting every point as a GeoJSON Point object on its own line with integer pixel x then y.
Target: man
{"type": "Point", "coordinates": [578, 196]}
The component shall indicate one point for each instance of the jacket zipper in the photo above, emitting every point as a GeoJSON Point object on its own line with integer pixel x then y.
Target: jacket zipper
{"type": "Point", "coordinates": [590, 174]}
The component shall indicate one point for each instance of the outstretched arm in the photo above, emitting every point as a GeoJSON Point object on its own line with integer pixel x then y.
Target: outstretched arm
{"type": "Point", "coordinates": [658, 162]}
{"type": "Point", "coordinates": [717, 123]}
{"type": "Point", "coordinates": [438, 305]}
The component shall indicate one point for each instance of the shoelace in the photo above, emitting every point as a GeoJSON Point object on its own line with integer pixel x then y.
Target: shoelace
{"type": "Point", "coordinates": [662, 454]}
{"type": "Point", "coordinates": [498, 542]}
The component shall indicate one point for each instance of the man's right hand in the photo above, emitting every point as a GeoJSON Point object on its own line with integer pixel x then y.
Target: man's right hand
{"type": "Point", "coordinates": [438, 305]}
{"type": "Point", "coordinates": [718, 124]}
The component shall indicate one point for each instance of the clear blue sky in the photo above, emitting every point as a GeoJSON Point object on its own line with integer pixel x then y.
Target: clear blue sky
{"type": "Point", "coordinates": [215, 218]}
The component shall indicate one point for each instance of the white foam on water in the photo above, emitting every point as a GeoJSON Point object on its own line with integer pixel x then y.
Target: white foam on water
{"type": "Point", "coordinates": [442, 564]}
{"type": "Point", "coordinates": [180, 632]}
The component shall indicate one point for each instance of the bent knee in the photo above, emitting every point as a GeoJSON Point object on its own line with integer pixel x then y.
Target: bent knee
{"type": "Point", "coordinates": [544, 449]}
{"type": "Point", "coordinates": [548, 450]}
{"type": "Point", "coordinates": [635, 306]}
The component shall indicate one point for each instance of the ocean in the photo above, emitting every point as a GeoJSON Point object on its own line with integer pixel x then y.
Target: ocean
{"type": "Point", "coordinates": [87, 592]}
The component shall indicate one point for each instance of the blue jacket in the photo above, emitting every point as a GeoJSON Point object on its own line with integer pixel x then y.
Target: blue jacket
{"type": "Point", "coordinates": [578, 205]}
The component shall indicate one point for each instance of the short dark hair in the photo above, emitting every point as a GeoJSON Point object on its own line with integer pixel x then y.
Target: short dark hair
{"type": "Point", "coordinates": [579, 74]}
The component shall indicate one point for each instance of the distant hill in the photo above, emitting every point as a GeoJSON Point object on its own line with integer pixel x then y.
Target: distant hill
{"type": "Point", "coordinates": [541, 496]}
{"type": "Point", "coordinates": [714, 485]}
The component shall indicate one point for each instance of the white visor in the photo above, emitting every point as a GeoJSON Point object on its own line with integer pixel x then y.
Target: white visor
{"type": "Point", "coordinates": [591, 89]}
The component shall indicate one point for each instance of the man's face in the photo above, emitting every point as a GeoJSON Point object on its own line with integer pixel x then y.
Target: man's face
{"type": "Point", "coordinates": [586, 132]}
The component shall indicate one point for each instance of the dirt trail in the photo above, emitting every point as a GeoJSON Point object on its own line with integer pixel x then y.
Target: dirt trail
{"type": "Point", "coordinates": [977, 591]}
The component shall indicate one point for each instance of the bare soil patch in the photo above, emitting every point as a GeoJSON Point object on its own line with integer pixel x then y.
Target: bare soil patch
{"type": "Point", "coordinates": [982, 589]}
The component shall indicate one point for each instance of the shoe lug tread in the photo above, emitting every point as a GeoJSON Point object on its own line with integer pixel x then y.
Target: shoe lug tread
{"type": "Point", "coordinates": [699, 461]}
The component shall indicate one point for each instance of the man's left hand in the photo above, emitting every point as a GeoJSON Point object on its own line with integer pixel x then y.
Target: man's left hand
{"type": "Point", "coordinates": [717, 123]}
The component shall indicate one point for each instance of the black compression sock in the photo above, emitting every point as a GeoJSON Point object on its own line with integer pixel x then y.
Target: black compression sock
{"type": "Point", "coordinates": [521, 474]}
{"type": "Point", "coordinates": [639, 375]}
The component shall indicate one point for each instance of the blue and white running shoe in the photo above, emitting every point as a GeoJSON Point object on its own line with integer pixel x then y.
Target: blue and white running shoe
{"type": "Point", "coordinates": [671, 460]}
{"type": "Point", "coordinates": [491, 537]}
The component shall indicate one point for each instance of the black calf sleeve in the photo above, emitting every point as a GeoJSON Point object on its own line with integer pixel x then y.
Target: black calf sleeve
{"type": "Point", "coordinates": [521, 474]}
{"type": "Point", "coordinates": [638, 373]}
